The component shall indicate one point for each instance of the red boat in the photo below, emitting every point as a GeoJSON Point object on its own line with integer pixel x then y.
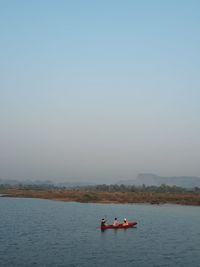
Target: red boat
{"type": "Point", "coordinates": [119, 226]}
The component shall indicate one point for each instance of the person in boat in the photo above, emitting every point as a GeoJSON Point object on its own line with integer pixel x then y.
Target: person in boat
{"type": "Point", "coordinates": [115, 223]}
{"type": "Point", "coordinates": [103, 222]}
{"type": "Point", "coordinates": [125, 222]}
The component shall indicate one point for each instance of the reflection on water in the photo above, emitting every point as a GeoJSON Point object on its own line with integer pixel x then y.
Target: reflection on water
{"type": "Point", "coordinates": [37, 232]}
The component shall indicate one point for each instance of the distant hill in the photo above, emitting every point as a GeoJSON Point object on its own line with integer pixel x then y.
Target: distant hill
{"type": "Point", "coordinates": [149, 179]}
{"type": "Point", "coordinates": [14, 182]}
{"type": "Point", "coordinates": [67, 184]}
{"type": "Point", "coordinates": [73, 184]}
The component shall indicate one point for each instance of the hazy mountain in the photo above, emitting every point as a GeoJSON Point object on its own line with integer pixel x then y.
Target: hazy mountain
{"type": "Point", "coordinates": [73, 184]}
{"type": "Point", "coordinates": [14, 182]}
{"type": "Point", "coordinates": [25, 182]}
{"type": "Point", "coordinates": [147, 179]}
{"type": "Point", "coordinates": [152, 179]}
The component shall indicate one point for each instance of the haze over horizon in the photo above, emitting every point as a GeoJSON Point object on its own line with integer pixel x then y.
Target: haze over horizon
{"type": "Point", "coordinates": [99, 91]}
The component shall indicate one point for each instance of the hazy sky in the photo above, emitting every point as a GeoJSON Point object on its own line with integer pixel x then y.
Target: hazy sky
{"type": "Point", "coordinates": [99, 90]}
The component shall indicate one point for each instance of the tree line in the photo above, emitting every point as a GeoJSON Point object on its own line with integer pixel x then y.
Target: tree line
{"type": "Point", "coordinates": [132, 188]}
{"type": "Point", "coordinates": [106, 188]}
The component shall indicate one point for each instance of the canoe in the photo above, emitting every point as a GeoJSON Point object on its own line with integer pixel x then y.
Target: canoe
{"type": "Point", "coordinates": [119, 226]}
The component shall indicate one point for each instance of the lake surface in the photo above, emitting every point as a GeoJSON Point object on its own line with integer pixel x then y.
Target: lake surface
{"type": "Point", "coordinates": [36, 232]}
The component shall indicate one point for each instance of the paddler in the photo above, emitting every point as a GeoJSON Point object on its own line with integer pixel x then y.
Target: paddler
{"type": "Point", "coordinates": [103, 222]}
{"type": "Point", "coordinates": [115, 223]}
{"type": "Point", "coordinates": [125, 222]}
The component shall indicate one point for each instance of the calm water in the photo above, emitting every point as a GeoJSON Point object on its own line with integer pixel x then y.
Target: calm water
{"type": "Point", "coordinates": [37, 232]}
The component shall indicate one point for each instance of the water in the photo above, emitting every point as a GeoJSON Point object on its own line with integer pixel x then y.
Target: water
{"type": "Point", "coordinates": [37, 232]}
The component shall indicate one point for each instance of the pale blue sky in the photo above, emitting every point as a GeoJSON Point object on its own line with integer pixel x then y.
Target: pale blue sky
{"type": "Point", "coordinates": [99, 90]}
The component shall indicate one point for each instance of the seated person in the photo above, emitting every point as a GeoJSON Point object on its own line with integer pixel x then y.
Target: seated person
{"type": "Point", "coordinates": [115, 223]}
{"type": "Point", "coordinates": [103, 222]}
{"type": "Point", "coordinates": [125, 222]}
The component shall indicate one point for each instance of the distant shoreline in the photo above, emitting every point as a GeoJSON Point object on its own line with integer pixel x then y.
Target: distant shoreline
{"type": "Point", "coordinates": [105, 197]}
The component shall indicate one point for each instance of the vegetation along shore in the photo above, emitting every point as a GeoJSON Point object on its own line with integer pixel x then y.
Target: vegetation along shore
{"type": "Point", "coordinates": [107, 194]}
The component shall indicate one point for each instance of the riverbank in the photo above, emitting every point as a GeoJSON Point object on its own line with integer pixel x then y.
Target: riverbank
{"type": "Point", "coordinates": [105, 197]}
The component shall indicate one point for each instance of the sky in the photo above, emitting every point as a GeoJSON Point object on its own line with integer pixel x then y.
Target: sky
{"type": "Point", "coordinates": [99, 90]}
